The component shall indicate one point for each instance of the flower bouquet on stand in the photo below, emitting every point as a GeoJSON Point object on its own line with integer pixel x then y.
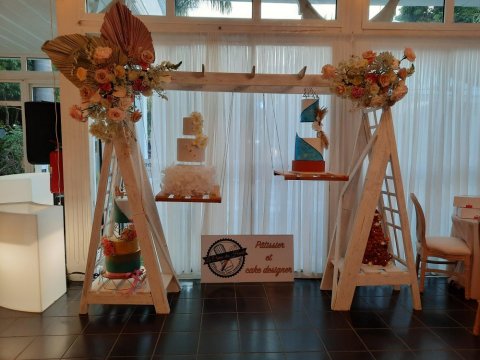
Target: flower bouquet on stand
{"type": "Point", "coordinates": [110, 70]}
{"type": "Point", "coordinates": [371, 80]}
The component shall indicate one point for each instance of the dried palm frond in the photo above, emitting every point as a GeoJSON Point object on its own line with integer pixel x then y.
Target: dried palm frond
{"type": "Point", "coordinates": [62, 50]}
{"type": "Point", "coordinates": [126, 31]}
{"type": "Point", "coordinates": [69, 52]}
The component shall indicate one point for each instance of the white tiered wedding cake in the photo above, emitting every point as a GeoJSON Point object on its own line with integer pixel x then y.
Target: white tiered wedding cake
{"type": "Point", "coordinates": [190, 177]}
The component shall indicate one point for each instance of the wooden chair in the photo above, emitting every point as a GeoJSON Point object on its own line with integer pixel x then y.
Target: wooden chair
{"type": "Point", "coordinates": [447, 250]}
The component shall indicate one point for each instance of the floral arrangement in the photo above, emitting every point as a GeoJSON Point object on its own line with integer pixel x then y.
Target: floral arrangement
{"type": "Point", "coordinates": [201, 140]}
{"type": "Point", "coordinates": [128, 234]}
{"type": "Point", "coordinates": [372, 80]}
{"type": "Point", "coordinates": [110, 71]}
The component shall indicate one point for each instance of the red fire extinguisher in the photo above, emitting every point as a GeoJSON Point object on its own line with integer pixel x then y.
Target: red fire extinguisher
{"type": "Point", "coordinates": [56, 172]}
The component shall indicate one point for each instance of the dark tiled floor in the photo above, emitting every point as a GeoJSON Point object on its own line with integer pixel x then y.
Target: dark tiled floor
{"type": "Point", "coordinates": [286, 321]}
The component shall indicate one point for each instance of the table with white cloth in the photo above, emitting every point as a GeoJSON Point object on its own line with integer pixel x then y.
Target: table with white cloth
{"type": "Point", "coordinates": [469, 231]}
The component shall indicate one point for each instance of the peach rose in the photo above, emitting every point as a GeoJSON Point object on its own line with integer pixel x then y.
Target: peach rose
{"type": "Point", "coordinates": [328, 71]}
{"type": "Point", "coordinates": [369, 56]}
{"type": "Point", "coordinates": [77, 113]}
{"type": "Point", "coordinates": [409, 54]}
{"type": "Point", "coordinates": [86, 93]}
{"type": "Point", "coordinates": [147, 57]}
{"type": "Point", "coordinates": [340, 89]}
{"type": "Point", "coordinates": [115, 114]}
{"type": "Point", "coordinates": [399, 92]}
{"type": "Point", "coordinates": [102, 53]}
{"type": "Point", "coordinates": [102, 76]}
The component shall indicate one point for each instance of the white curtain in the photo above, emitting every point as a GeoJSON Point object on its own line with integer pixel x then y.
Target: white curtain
{"type": "Point", "coordinates": [250, 135]}
{"type": "Point", "coordinates": [437, 126]}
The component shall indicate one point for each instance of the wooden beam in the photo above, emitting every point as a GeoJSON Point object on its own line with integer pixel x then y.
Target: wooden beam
{"type": "Point", "coordinates": [246, 83]}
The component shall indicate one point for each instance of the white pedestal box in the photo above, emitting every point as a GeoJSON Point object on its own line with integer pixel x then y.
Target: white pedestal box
{"type": "Point", "coordinates": [26, 187]}
{"type": "Point", "coordinates": [32, 256]}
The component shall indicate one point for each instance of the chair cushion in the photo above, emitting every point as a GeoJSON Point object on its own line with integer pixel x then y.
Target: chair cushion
{"type": "Point", "coordinates": [448, 245]}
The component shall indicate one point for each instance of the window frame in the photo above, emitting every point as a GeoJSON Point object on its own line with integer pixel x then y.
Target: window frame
{"type": "Point", "coordinates": [347, 23]}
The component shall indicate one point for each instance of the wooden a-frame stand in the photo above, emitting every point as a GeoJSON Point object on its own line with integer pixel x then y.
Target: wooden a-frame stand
{"type": "Point", "coordinates": [382, 189]}
{"type": "Point", "coordinates": [158, 277]}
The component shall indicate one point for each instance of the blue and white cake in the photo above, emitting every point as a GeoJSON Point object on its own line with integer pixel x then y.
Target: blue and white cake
{"type": "Point", "coordinates": [309, 151]}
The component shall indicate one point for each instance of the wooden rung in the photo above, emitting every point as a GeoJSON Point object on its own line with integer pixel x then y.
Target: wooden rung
{"type": "Point", "coordinates": [390, 209]}
{"type": "Point", "coordinates": [325, 176]}
{"type": "Point", "coordinates": [173, 198]}
{"type": "Point", "coordinates": [394, 226]}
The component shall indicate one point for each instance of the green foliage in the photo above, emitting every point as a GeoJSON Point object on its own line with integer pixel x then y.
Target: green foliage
{"type": "Point", "coordinates": [10, 64]}
{"type": "Point", "coordinates": [10, 91]}
{"type": "Point", "coordinates": [11, 151]}
{"type": "Point", "coordinates": [420, 14]}
{"type": "Point", "coordinates": [182, 6]}
{"type": "Point", "coordinates": [10, 116]}
{"type": "Point", "coordinates": [462, 14]}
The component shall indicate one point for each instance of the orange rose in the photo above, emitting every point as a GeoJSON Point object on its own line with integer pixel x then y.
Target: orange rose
{"type": "Point", "coordinates": [136, 116]}
{"type": "Point", "coordinates": [81, 73]}
{"type": "Point", "coordinates": [384, 80]}
{"type": "Point", "coordinates": [409, 54]}
{"type": "Point", "coordinates": [402, 73]}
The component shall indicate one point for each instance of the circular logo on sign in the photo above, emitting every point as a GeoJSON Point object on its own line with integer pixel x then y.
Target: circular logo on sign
{"type": "Point", "coordinates": [225, 258]}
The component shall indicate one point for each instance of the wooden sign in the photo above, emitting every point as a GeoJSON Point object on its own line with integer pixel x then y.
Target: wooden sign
{"type": "Point", "coordinates": [247, 258]}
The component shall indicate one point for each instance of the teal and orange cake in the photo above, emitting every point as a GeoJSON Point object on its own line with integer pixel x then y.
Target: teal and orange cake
{"type": "Point", "coordinates": [122, 254]}
{"type": "Point", "coordinates": [308, 156]}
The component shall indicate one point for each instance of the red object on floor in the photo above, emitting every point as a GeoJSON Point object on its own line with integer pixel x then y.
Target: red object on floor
{"type": "Point", "coordinates": [56, 172]}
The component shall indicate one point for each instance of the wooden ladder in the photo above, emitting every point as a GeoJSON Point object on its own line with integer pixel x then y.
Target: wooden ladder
{"type": "Point", "coordinates": [382, 189]}
{"type": "Point", "coordinates": [158, 277]}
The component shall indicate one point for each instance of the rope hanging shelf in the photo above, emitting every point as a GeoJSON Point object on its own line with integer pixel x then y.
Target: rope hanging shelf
{"type": "Point", "coordinates": [193, 199]}
{"type": "Point", "coordinates": [325, 176]}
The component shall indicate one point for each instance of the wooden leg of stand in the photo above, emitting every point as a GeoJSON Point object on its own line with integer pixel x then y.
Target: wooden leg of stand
{"type": "Point", "coordinates": [476, 325]}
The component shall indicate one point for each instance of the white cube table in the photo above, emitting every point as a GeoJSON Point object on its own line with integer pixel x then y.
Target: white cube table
{"type": "Point", "coordinates": [32, 256]}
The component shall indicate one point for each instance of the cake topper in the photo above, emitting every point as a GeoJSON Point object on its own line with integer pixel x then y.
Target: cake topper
{"type": "Point", "coordinates": [318, 126]}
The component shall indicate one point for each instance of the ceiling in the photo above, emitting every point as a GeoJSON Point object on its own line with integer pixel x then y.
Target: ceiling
{"type": "Point", "coordinates": [25, 25]}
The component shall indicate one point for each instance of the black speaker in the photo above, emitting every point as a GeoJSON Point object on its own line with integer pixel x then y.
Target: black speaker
{"type": "Point", "coordinates": [42, 130]}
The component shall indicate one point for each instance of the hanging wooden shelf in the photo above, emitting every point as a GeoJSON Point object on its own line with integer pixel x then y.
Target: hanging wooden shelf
{"type": "Point", "coordinates": [251, 82]}
{"type": "Point", "coordinates": [196, 199]}
{"type": "Point", "coordinates": [324, 176]}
